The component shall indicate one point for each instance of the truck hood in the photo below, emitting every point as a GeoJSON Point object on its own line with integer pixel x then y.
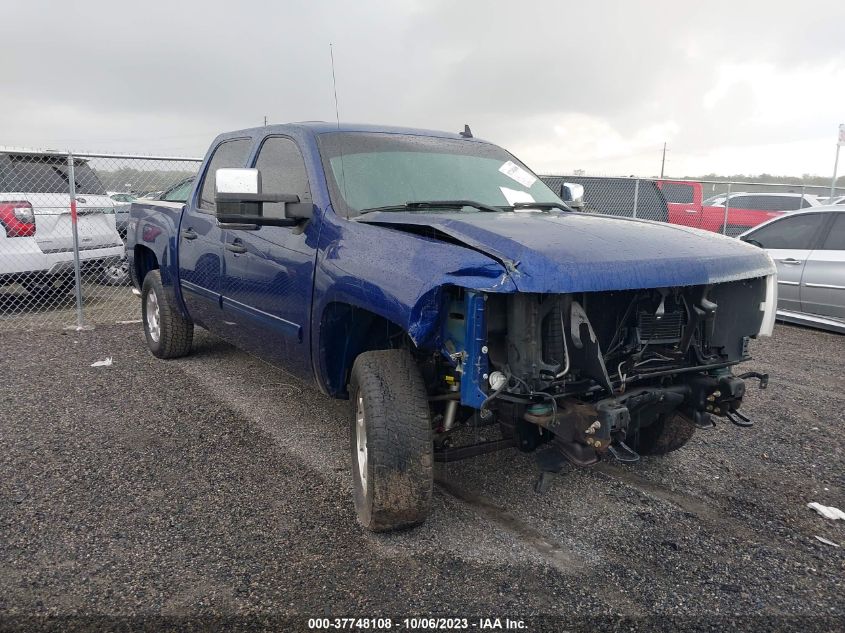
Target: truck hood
{"type": "Point", "coordinates": [580, 252]}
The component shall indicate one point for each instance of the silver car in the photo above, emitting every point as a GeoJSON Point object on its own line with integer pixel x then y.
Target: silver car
{"type": "Point", "coordinates": [808, 248]}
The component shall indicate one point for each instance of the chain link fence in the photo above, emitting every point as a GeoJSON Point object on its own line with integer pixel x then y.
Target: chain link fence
{"type": "Point", "coordinates": [62, 231]}
{"type": "Point", "coordinates": [727, 207]}
{"type": "Point", "coordinates": [63, 223]}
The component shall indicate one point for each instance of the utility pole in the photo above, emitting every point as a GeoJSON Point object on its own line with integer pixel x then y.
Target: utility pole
{"type": "Point", "coordinates": [265, 120]}
{"type": "Point", "coordinates": [839, 143]}
{"type": "Point", "coordinates": [663, 162]}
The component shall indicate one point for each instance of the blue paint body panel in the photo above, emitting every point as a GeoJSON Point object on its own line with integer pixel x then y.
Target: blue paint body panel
{"type": "Point", "coordinates": [581, 252]}
{"type": "Point", "coordinates": [274, 304]}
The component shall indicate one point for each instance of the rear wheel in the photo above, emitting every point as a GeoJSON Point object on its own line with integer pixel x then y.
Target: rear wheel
{"type": "Point", "coordinates": [116, 274]}
{"type": "Point", "coordinates": [668, 433]}
{"type": "Point", "coordinates": [390, 438]}
{"type": "Point", "coordinates": [168, 333]}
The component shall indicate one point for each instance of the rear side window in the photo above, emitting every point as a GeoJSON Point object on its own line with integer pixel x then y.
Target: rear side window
{"type": "Point", "coordinates": [798, 232]}
{"type": "Point", "coordinates": [228, 154]}
{"type": "Point", "coordinates": [46, 174]}
{"type": "Point", "coordinates": [835, 240]}
{"type": "Point", "coordinates": [282, 170]}
{"type": "Point", "coordinates": [678, 192]}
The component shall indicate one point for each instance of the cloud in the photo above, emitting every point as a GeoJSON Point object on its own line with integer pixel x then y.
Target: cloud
{"type": "Point", "coordinates": [595, 86]}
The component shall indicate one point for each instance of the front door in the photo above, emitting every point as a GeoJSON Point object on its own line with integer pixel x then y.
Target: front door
{"type": "Point", "coordinates": [269, 270]}
{"type": "Point", "coordinates": [201, 240]}
{"type": "Point", "coordinates": [789, 241]}
{"type": "Point", "coordinates": [823, 282]}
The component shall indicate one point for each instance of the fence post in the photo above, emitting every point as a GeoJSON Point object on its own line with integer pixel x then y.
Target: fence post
{"type": "Point", "coordinates": [80, 323]}
{"type": "Point", "coordinates": [636, 196]}
{"type": "Point", "coordinates": [727, 208]}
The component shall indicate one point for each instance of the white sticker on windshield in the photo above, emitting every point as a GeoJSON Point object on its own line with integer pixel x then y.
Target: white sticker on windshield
{"type": "Point", "coordinates": [513, 196]}
{"type": "Point", "coordinates": [517, 173]}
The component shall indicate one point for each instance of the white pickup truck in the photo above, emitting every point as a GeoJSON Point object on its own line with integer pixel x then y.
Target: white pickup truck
{"type": "Point", "coordinates": [36, 235]}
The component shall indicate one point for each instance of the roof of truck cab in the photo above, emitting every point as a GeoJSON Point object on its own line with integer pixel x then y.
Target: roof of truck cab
{"type": "Point", "coordinates": [322, 127]}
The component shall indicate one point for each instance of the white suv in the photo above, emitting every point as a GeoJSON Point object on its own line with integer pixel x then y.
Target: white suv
{"type": "Point", "coordinates": [36, 238]}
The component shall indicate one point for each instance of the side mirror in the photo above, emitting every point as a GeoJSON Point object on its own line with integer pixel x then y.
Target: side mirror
{"type": "Point", "coordinates": [752, 241]}
{"type": "Point", "coordinates": [573, 195]}
{"type": "Point", "coordinates": [240, 200]}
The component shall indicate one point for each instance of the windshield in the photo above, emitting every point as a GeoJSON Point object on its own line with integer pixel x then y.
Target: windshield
{"type": "Point", "coordinates": [373, 170]}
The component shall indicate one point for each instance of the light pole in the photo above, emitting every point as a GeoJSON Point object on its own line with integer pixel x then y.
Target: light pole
{"type": "Point", "coordinates": [839, 144]}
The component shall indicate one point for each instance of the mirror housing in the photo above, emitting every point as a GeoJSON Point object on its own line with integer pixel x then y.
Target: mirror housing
{"type": "Point", "coordinates": [752, 241]}
{"type": "Point", "coordinates": [240, 200]}
{"type": "Point", "coordinates": [573, 195]}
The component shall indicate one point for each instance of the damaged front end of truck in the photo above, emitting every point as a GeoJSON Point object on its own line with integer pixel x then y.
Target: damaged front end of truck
{"type": "Point", "coordinates": [594, 373]}
{"type": "Point", "coordinates": [605, 337]}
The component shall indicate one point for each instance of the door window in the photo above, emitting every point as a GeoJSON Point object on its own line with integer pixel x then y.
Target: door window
{"type": "Point", "coordinates": [835, 240]}
{"type": "Point", "coordinates": [794, 232]}
{"type": "Point", "coordinates": [228, 154]}
{"type": "Point", "coordinates": [282, 171]}
{"type": "Point", "coordinates": [678, 192]}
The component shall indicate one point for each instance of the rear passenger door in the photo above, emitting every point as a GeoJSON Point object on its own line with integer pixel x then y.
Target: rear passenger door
{"type": "Point", "coordinates": [200, 239]}
{"type": "Point", "coordinates": [269, 270]}
{"type": "Point", "coordinates": [789, 241]}
{"type": "Point", "coordinates": [823, 282]}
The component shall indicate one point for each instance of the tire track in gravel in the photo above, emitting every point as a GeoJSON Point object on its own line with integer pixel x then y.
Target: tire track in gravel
{"type": "Point", "coordinates": [551, 551]}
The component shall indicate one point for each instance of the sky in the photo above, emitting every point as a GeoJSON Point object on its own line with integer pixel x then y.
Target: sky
{"type": "Point", "coordinates": [731, 87]}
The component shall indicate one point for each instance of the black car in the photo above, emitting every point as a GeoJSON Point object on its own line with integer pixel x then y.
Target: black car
{"type": "Point", "coordinates": [617, 196]}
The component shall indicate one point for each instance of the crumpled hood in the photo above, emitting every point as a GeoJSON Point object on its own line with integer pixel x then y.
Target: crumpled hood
{"type": "Point", "coordinates": [582, 252]}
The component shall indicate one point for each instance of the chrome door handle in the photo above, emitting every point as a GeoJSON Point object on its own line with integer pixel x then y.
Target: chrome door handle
{"type": "Point", "coordinates": [236, 247]}
{"type": "Point", "coordinates": [791, 261]}
{"type": "Point", "coordinates": [190, 234]}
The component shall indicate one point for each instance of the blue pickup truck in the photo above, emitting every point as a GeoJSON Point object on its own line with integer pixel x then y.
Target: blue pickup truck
{"type": "Point", "coordinates": [437, 284]}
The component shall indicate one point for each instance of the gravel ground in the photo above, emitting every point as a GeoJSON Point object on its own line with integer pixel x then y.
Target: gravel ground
{"type": "Point", "coordinates": [216, 489]}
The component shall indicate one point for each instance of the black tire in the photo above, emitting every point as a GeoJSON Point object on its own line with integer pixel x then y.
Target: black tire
{"type": "Point", "coordinates": [174, 334]}
{"type": "Point", "coordinates": [668, 433]}
{"type": "Point", "coordinates": [50, 287]}
{"type": "Point", "coordinates": [398, 461]}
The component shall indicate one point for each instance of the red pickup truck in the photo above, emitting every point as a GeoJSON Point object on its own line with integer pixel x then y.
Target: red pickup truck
{"type": "Point", "coordinates": [687, 206]}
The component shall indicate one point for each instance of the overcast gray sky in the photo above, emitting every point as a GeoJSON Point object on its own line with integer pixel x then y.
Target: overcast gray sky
{"type": "Point", "coordinates": [733, 87]}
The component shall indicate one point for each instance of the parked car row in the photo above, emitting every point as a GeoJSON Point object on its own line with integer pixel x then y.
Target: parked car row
{"type": "Point", "coordinates": [732, 214]}
{"type": "Point", "coordinates": [36, 238]}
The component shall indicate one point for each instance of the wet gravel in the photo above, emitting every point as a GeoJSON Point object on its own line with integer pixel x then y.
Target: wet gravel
{"type": "Point", "coordinates": [215, 491]}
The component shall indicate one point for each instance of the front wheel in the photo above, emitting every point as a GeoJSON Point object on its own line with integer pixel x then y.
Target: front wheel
{"type": "Point", "coordinates": [390, 437]}
{"type": "Point", "coordinates": [666, 434]}
{"type": "Point", "coordinates": [168, 333]}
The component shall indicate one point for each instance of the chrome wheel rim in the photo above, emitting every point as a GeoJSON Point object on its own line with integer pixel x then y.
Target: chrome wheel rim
{"type": "Point", "coordinates": [361, 443]}
{"type": "Point", "coordinates": [153, 317]}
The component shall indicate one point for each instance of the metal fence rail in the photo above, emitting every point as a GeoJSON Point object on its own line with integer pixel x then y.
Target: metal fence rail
{"type": "Point", "coordinates": [62, 231]}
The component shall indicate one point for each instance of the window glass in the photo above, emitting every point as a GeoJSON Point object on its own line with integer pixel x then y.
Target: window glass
{"type": "Point", "coordinates": [282, 171]}
{"type": "Point", "coordinates": [797, 232]}
{"type": "Point", "coordinates": [180, 192]}
{"type": "Point", "coordinates": [29, 173]}
{"type": "Point", "coordinates": [678, 192]}
{"type": "Point", "coordinates": [371, 170]}
{"type": "Point", "coordinates": [835, 240]}
{"type": "Point", "coordinates": [766, 203]}
{"type": "Point", "coordinates": [228, 154]}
